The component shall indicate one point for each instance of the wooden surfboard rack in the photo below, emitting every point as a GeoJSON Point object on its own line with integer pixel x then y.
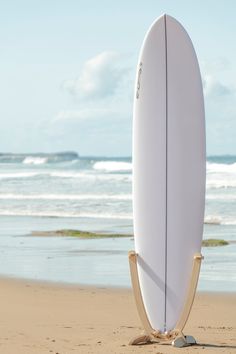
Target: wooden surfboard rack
{"type": "Point", "coordinates": [176, 336]}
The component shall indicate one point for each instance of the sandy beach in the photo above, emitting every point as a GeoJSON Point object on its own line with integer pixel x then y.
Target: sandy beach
{"type": "Point", "coordinates": [46, 318]}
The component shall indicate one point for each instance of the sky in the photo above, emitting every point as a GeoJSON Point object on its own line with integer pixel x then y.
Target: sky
{"type": "Point", "coordinates": [68, 68]}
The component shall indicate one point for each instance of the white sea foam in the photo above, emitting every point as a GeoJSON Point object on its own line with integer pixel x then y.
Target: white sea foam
{"type": "Point", "coordinates": [221, 175]}
{"type": "Point", "coordinates": [65, 174]}
{"type": "Point", "coordinates": [91, 176]}
{"type": "Point", "coordinates": [221, 196]}
{"type": "Point", "coordinates": [65, 197]}
{"type": "Point", "coordinates": [18, 175]}
{"type": "Point", "coordinates": [112, 166]}
{"type": "Point", "coordinates": [69, 174]}
{"type": "Point", "coordinates": [212, 219]}
{"type": "Point", "coordinates": [220, 167]}
{"type": "Point", "coordinates": [213, 183]}
{"type": "Point", "coordinates": [229, 222]}
{"type": "Point", "coordinates": [32, 160]}
{"type": "Point", "coordinates": [60, 214]}
{"type": "Point", "coordinates": [219, 220]}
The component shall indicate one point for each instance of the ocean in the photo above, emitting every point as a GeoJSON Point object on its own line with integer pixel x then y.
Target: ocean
{"type": "Point", "coordinates": [60, 191]}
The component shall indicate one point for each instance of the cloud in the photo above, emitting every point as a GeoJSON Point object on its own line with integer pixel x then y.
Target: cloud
{"type": "Point", "coordinates": [102, 91]}
{"type": "Point", "coordinates": [214, 88]}
{"type": "Point", "coordinates": [101, 76]}
{"type": "Point", "coordinates": [216, 79]}
{"type": "Point", "coordinates": [84, 114]}
{"type": "Point", "coordinates": [220, 64]}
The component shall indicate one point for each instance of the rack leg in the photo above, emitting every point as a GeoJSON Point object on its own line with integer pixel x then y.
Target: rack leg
{"type": "Point", "coordinates": [176, 336]}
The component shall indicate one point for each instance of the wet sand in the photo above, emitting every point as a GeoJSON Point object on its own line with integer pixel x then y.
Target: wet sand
{"type": "Point", "coordinates": [46, 318]}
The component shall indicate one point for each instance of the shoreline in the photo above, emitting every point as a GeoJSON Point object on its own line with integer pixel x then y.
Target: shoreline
{"type": "Point", "coordinates": [39, 317]}
{"type": "Point", "coordinates": [65, 285]}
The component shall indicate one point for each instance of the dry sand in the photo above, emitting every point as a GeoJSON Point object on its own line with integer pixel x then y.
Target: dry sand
{"type": "Point", "coordinates": [43, 318]}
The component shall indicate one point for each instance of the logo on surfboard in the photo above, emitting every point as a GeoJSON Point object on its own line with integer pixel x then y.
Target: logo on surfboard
{"type": "Point", "coordinates": [139, 79]}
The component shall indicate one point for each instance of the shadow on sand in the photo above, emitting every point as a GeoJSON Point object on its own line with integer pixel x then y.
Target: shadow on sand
{"type": "Point", "coordinates": [219, 346]}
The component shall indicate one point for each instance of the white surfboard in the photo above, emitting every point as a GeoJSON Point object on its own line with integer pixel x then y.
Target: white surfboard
{"type": "Point", "coordinates": [168, 169]}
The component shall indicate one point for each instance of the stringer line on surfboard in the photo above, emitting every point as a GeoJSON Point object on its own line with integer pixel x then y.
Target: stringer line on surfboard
{"type": "Point", "coordinates": [166, 216]}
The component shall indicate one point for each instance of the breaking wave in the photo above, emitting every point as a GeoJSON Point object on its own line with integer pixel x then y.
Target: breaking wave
{"type": "Point", "coordinates": [221, 175]}
{"type": "Point", "coordinates": [38, 158]}
{"type": "Point", "coordinates": [221, 167]}
{"type": "Point", "coordinates": [30, 160]}
{"type": "Point", "coordinates": [112, 166]}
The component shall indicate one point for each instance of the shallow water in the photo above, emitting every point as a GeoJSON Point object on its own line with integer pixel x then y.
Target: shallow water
{"type": "Point", "coordinates": [58, 191]}
{"type": "Point", "coordinates": [102, 262]}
